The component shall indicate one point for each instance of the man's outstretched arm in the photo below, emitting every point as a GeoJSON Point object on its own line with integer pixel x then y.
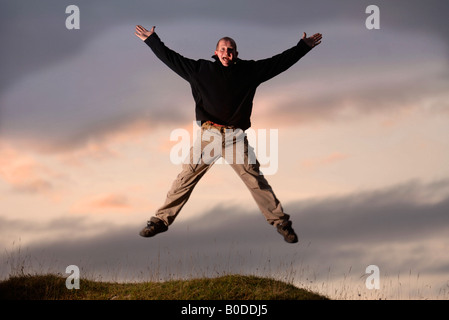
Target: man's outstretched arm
{"type": "Point", "coordinates": [271, 67]}
{"type": "Point", "coordinates": [184, 67]}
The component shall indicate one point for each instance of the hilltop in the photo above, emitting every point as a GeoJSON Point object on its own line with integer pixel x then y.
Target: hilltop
{"type": "Point", "coordinates": [229, 287]}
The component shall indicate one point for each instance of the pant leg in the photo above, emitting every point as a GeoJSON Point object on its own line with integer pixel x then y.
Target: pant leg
{"type": "Point", "coordinates": [263, 194]}
{"type": "Point", "coordinates": [180, 191]}
{"type": "Point", "coordinates": [192, 171]}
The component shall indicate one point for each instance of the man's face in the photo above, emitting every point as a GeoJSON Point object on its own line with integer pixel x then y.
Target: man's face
{"type": "Point", "coordinates": [225, 52]}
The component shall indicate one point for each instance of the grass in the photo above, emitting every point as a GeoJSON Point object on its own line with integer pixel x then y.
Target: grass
{"type": "Point", "coordinates": [229, 287]}
{"type": "Point", "coordinates": [31, 279]}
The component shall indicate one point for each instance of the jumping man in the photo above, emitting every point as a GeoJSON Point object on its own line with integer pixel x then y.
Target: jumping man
{"type": "Point", "coordinates": [223, 91]}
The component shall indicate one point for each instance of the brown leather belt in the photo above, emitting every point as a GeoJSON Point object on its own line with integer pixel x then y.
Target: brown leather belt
{"type": "Point", "coordinates": [220, 127]}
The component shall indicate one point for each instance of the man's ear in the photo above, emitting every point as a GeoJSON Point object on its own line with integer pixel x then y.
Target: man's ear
{"type": "Point", "coordinates": [236, 54]}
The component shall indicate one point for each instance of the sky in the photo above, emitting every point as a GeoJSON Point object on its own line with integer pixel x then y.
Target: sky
{"type": "Point", "coordinates": [361, 152]}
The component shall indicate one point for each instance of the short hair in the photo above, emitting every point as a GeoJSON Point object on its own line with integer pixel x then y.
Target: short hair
{"type": "Point", "coordinates": [227, 39]}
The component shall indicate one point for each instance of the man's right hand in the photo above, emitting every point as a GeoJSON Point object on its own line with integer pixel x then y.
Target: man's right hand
{"type": "Point", "coordinates": [143, 33]}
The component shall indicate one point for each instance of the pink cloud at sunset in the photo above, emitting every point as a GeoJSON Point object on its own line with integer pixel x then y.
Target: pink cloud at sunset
{"type": "Point", "coordinates": [322, 161]}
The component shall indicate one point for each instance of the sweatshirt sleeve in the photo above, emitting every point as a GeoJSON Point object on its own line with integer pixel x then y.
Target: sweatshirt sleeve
{"type": "Point", "coordinates": [268, 68]}
{"type": "Point", "coordinates": [184, 67]}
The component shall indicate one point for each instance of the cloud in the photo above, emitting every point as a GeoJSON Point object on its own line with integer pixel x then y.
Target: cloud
{"type": "Point", "coordinates": [397, 214]}
{"type": "Point", "coordinates": [322, 161]}
{"type": "Point", "coordinates": [108, 202]}
{"type": "Point", "coordinates": [22, 173]}
{"type": "Point", "coordinates": [100, 79]}
{"type": "Point", "coordinates": [23, 19]}
{"type": "Point", "coordinates": [338, 80]}
{"type": "Point", "coordinates": [91, 96]}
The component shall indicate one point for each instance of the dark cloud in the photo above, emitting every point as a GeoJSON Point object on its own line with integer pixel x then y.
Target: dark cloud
{"type": "Point", "coordinates": [391, 215]}
{"type": "Point", "coordinates": [79, 105]}
{"type": "Point", "coordinates": [34, 33]}
{"type": "Point", "coordinates": [393, 228]}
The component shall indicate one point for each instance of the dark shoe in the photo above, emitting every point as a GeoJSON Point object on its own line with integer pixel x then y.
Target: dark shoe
{"type": "Point", "coordinates": [153, 227]}
{"type": "Point", "coordinates": [285, 228]}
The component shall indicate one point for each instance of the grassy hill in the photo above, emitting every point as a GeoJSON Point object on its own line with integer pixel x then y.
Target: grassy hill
{"type": "Point", "coordinates": [229, 287]}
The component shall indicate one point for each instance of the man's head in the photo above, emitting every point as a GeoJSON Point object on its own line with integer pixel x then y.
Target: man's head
{"type": "Point", "coordinates": [226, 51]}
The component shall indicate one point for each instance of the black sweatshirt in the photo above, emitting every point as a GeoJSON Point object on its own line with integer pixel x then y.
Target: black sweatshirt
{"type": "Point", "coordinates": [224, 95]}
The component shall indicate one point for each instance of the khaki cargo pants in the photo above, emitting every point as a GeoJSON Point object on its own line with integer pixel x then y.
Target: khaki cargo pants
{"type": "Point", "coordinates": [213, 143]}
